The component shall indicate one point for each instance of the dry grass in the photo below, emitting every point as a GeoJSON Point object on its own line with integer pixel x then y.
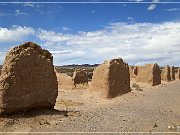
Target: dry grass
{"type": "Point", "coordinates": [81, 86]}
{"type": "Point", "coordinates": [68, 103]}
{"type": "Point", "coordinates": [137, 87]}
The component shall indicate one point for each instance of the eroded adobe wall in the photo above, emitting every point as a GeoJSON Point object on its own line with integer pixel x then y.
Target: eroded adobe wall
{"type": "Point", "coordinates": [80, 77]}
{"type": "Point", "coordinates": [136, 70]}
{"type": "Point", "coordinates": [132, 75]}
{"type": "Point", "coordinates": [64, 81]}
{"type": "Point", "coordinates": [165, 74]}
{"type": "Point", "coordinates": [150, 74]}
{"type": "Point", "coordinates": [28, 79]}
{"type": "Point", "coordinates": [112, 78]}
{"type": "Point", "coordinates": [172, 73]}
{"type": "Point", "coordinates": [177, 74]}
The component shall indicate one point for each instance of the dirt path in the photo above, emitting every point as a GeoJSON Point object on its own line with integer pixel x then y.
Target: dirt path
{"type": "Point", "coordinates": [152, 110]}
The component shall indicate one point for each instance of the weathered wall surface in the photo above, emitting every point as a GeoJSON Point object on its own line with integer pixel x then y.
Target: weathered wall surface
{"type": "Point", "coordinates": [165, 74]}
{"type": "Point", "coordinates": [136, 70]}
{"type": "Point", "coordinates": [172, 73]}
{"type": "Point", "coordinates": [132, 75]}
{"type": "Point", "coordinates": [64, 81]}
{"type": "Point", "coordinates": [80, 77]}
{"type": "Point", "coordinates": [149, 73]}
{"type": "Point", "coordinates": [112, 78]}
{"type": "Point", "coordinates": [28, 79]}
{"type": "Point", "coordinates": [177, 74]}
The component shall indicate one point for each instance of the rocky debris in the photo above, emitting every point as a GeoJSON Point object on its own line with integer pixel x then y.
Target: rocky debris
{"type": "Point", "coordinates": [0, 71]}
{"type": "Point", "coordinates": [132, 75]}
{"type": "Point", "coordinates": [165, 74]}
{"type": "Point", "coordinates": [177, 74]}
{"type": "Point", "coordinates": [112, 78]}
{"type": "Point", "coordinates": [28, 79]}
{"type": "Point", "coordinates": [150, 74]}
{"type": "Point", "coordinates": [64, 81]}
{"type": "Point", "coordinates": [80, 77]}
{"type": "Point", "coordinates": [172, 73]}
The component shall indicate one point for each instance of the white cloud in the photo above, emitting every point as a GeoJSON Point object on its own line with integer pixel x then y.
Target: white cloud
{"type": "Point", "coordinates": [14, 34]}
{"type": "Point", "coordinates": [137, 43]}
{"type": "Point", "coordinates": [18, 13]}
{"type": "Point", "coordinates": [65, 28]}
{"type": "Point", "coordinates": [152, 6]}
{"type": "Point", "coordinates": [130, 18]}
{"type": "Point", "coordinates": [93, 11]}
{"type": "Point", "coordinates": [136, 0]}
{"type": "Point", "coordinates": [28, 5]}
{"type": "Point", "coordinates": [2, 14]}
{"type": "Point", "coordinates": [172, 9]}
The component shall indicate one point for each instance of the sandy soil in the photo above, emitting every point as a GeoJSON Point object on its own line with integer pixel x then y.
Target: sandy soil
{"type": "Point", "coordinates": [152, 109]}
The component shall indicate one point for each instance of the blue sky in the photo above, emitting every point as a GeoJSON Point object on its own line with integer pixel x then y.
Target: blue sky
{"type": "Point", "coordinates": [90, 33]}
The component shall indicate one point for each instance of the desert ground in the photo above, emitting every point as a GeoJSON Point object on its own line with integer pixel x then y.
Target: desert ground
{"type": "Point", "coordinates": [144, 109]}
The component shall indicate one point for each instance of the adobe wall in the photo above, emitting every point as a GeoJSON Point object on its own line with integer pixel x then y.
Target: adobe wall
{"type": "Point", "coordinates": [150, 74]}
{"type": "Point", "coordinates": [165, 74]}
{"type": "Point", "coordinates": [172, 73]}
{"type": "Point", "coordinates": [28, 79]}
{"type": "Point", "coordinates": [112, 78]}
{"type": "Point", "coordinates": [80, 77]}
{"type": "Point", "coordinates": [64, 81]}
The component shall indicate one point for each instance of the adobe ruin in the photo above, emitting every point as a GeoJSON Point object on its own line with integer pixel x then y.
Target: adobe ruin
{"type": "Point", "coordinates": [80, 77]}
{"type": "Point", "coordinates": [28, 79]}
{"type": "Point", "coordinates": [112, 78]}
{"type": "Point", "coordinates": [165, 74]}
{"type": "Point", "coordinates": [150, 74]}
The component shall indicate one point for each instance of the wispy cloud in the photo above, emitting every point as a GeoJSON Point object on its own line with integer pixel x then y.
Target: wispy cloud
{"type": "Point", "coordinates": [153, 6]}
{"type": "Point", "coordinates": [29, 5]}
{"type": "Point", "coordinates": [3, 14]}
{"type": "Point", "coordinates": [20, 13]}
{"type": "Point", "coordinates": [130, 18]}
{"type": "Point", "coordinates": [172, 9]}
{"type": "Point", "coordinates": [93, 11]}
{"type": "Point", "coordinates": [65, 29]}
{"type": "Point", "coordinates": [136, 0]}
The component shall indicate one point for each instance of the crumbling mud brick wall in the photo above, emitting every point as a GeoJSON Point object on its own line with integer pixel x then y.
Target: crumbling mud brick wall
{"type": "Point", "coordinates": [178, 74]}
{"type": "Point", "coordinates": [132, 75]}
{"type": "Point", "coordinates": [150, 74]}
{"type": "Point", "coordinates": [112, 78]}
{"type": "Point", "coordinates": [28, 79]}
{"type": "Point", "coordinates": [80, 77]}
{"type": "Point", "coordinates": [64, 81]}
{"type": "Point", "coordinates": [172, 73]}
{"type": "Point", "coordinates": [165, 74]}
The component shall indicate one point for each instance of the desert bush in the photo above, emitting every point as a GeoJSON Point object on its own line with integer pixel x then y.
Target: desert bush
{"type": "Point", "coordinates": [137, 87]}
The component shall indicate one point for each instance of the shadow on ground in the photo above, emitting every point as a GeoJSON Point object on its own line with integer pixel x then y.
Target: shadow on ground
{"type": "Point", "coordinates": [37, 112]}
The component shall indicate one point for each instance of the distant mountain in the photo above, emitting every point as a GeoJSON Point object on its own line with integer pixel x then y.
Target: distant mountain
{"type": "Point", "coordinates": [78, 66]}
